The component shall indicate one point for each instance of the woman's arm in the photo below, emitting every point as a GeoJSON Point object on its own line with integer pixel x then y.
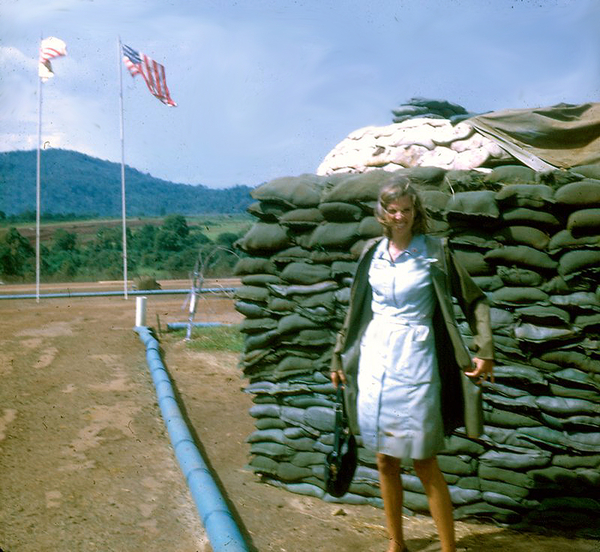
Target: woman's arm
{"type": "Point", "coordinates": [475, 306]}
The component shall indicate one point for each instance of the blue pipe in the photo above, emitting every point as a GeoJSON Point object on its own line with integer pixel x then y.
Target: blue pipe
{"type": "Point", "coordinates": [223, 532]}
{"type": "Point", "coordinates": [113, 293]}
{"type": "Point", "coordinates": [183, 325]}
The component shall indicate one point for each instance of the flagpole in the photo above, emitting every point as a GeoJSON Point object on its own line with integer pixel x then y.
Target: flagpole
{"type": "Point", "coordinates": [37, 191]}
{"type": "Point", "coordinates": [123, 203]}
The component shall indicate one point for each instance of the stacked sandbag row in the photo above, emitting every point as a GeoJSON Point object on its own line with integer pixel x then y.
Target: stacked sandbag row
{"type": "Point", "coordinates": [414, 142]}
{"type": "Point", "coordinates": [531, 243]}
{"type": "Point", "coordinates": [429, 109]}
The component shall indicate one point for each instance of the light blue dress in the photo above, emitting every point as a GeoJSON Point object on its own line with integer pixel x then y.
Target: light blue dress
{"type": "Point", "coordinates": [399, 411]}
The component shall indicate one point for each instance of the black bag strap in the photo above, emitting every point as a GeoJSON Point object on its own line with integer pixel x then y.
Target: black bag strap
{"type": "Point", "coordinates": [341, 422]}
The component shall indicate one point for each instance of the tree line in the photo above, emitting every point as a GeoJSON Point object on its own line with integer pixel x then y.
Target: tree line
{"type": "Point", "coordinates": [166, 251]}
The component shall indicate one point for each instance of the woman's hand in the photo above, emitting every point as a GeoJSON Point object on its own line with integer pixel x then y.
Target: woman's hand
{"type": "Point", "coordinates": [483, 369]}
{"type": "Point", "coordinates": [338, 377]}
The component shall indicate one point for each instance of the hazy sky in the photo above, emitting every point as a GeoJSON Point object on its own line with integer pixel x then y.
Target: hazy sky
{"type": "Point", "coordinates": [266, 88]}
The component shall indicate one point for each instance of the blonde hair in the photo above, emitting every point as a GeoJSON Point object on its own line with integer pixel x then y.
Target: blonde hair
{"type": "Point", "coordinates": [396, 187]}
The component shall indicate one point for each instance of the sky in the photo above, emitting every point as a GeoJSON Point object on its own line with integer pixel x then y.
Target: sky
{"type": "Point", "coordinates": [266, 88]}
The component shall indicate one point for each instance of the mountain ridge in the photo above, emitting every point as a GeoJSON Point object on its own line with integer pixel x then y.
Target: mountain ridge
{"type": "Point", "coordinates": [79, 184]}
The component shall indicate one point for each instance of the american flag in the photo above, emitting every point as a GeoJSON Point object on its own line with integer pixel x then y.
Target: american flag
{"type": "Point", "coordinates": [152, 72]}
{"type": "Point", "coordinates": [50, 48]}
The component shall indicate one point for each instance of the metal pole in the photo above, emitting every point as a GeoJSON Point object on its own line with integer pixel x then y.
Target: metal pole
{"type": "Point", "coordinates": [123, 202]}
{"type": "Point", "coordinates": [37, 191]}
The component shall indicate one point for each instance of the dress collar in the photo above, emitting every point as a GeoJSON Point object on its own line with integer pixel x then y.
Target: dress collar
{"type": "Point", "coordinates": [416, 247]}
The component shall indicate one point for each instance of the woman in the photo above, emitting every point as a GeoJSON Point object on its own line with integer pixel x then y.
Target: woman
{"type": "Point", "coordinates": [402, 360]}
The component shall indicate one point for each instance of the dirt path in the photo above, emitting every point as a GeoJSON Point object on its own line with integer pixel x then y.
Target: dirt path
{"type": "Point", "coordinates": [85, 462]}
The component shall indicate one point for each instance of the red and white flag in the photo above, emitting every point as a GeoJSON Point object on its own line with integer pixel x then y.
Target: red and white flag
{"type": "Point", "coordinates": [50, 48]}
{"type": "Point", "coordinates": [152, 72]}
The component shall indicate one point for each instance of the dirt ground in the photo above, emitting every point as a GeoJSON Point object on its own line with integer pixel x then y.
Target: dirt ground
{"type": "Point", "coordinates": [86, 463]}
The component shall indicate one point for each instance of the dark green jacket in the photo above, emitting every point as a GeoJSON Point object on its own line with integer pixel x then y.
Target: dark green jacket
{"type": "Point", "coordinates": [461, 398]}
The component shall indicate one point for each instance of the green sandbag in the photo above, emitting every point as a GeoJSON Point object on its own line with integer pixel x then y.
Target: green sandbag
{"type": "Point", "coordinates": [463, 465]}
{"type": "Point", "coordinates": [565, 240]}
{"type": "Point", "coordinates": [252, 293]}
{"type": "Point", "coordinates": [288, 472]}
{"type": "Point", "coordinates": [474, 237]}
{"type": "Point", "coordinates": [299, 289]}
{"type": "Point", "coordinates": [503, 501]}
{"type": "Point", "coordinates": [486, 511]}
{"type": "Point", "coordinates": [504, 488]}
{"type": "Point", "coordinates": [434, 201]}
{"type": "Point", "coordinates": [514, 276]}
{"type": "Point", "coordinates": [294, 323]}
{"type": "Point", "coordinates": [264, 237]}
{"type": "Point", "coordinates": [505, 418]}
{"type": "Point", "coordinates": [585, 193]}
{"type": "Point", "coordinates": [456, 444]}
{"type": "Point", "coordinates": [501, 318]}
{"type": "Point", "coordinates": [334, 235]}
{"type": "Point", "coordinates": [587, 322]}
{"type": "Point", "coordinates": [463, 181]}
{"type": "Point", "coordinates": [260, 341]}
{"type": "Point", "coordinates": [254, 265]}
{"type": "Point", "coordinates": [291, 254]}
{"type": "Point", "coordinates": [256, 325]}
{"type": "Point", "coordinates": [580, 299]}
{"type": "Point", "coordinates": [271, 450]}
{"type": "Point", "coordinates": [543, 314]}
{"type": "Point", "coordinates": [326, 257]}
{"type": "Point", "coordinates": [460, 496]}
{"type": "Point", "coordinates": [295, 191]}
{"type": "Point", "coordinates": [306, 459]}
{"type": "Point", "coordinates": [269, 423]}
{"type": "Point", "coordinates": [513, 477]}
{"type": "Point", "coordinates": [321, 418]}
{"type": "Point", "coordinates": [370, 227]}
{"type": "Point", "coordinates": [301, 218]}
{"type": "Point", "coordinates": [488, 283]}
{"type": "Point", "coordinates": [588, 171]}
{"type": "Point", "coordinates": [518, 296]}
{"type": "Point", "coordinates": [293, 363]}
{"type": "Point", "coordinates": [571, 462]}
{"type": "Point", "coordinates": [521, 255]}
{"type": "Point", "coordinates": [473, 261]}
{"type": "Point", "coordinates": [260, 279]}
{"type": "Point", "coordinates": [575, 261]}
{"type": "Point", "coordinates": [480, 205]}
{"type": "Point", "coordinates": [262, 464]}
{"type": "Point", "coordinates": [267, 211]}
{"type": "Point", "coordinates": [534, 333]}
{"type": "Point", "coordinates": [249, 310]}
{"type": "Point", "coordinates": [278, 305]}
{"type": "Point", "coordinates": [523, 235]}
{"type": "Point", "coordinates": [340, 211]}
{"type": "Point", "coordinates": [355, 188]}
{"type": "Point", "coordinates": [523, 460]}
{"type": "Point", "coordinates": [519, 374]}
{"type": "Point", "coordinates": [561, 406]}
{"type": "Point", "coordinates": [535, 196]}
{"type": "Point", "coordinates": [305, 273]}
{"type": "Point", "coordinates": [511, 174]}
{"type": "Point", "coordinates": [523, 216]}
{"type": "Point", "coordinates": [584, 222]}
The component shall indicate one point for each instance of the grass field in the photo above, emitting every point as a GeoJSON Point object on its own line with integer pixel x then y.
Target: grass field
{"type": "Point", "coordinates": [212, 226]}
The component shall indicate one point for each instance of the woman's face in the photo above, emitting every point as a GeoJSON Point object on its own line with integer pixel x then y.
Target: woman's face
{"type": "Point", "coordinates": [401, 215]}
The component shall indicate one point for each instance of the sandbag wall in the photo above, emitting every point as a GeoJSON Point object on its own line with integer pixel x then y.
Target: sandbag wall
{"type": "Point", "coordinates": [531, 241]}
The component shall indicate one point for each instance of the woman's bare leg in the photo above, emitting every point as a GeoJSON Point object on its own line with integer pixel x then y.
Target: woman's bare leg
{"type": "Point", "coordinates": [391, 493]}
{"type": "Point", "coordinates": [440, 504]}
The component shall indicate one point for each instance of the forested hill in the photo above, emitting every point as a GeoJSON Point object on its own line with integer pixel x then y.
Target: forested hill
{"type": "Point", "coordinates": [76, 183]}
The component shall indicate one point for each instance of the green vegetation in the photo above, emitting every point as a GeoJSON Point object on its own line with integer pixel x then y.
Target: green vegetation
{"type": "Point", "coordinates": [92, 250]}
{"type": "Point", "coordinates": [79, 184]}
{"type": "Point", "coordinates": [217, 338]}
